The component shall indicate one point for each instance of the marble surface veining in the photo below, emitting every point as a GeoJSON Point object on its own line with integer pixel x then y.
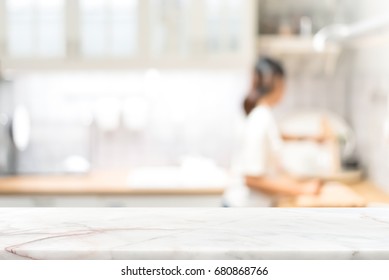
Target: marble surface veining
{"type": "Point", "coordinates": [187, 233]}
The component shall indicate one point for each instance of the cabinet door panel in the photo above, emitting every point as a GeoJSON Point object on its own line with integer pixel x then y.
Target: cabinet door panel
{"type": "Point", "coordinates": [35, 28]}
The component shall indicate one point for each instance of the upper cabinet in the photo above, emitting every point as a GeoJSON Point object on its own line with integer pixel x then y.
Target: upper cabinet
{"type": "Point", "coordinates": [34, 28]}
{"type": "Point", "coordinates": [109, 28]}
{"type": "Point", "coordinates": [170, 27]}
{"type": "Point", "coordinates": [224, 20]}
{"type": "Point", "coordinates": [127, 32]}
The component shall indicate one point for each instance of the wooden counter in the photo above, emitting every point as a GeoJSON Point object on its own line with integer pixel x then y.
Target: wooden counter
{"type": "Point", "coordinates": [101, 189]}
{"type": "Point", "coordinates": [110, 183]}
{"type": "Point", "coordinates": [333, 194]}
{"type": "Point", "coordinates": [115, 184]}
{"type": "Point", "coordinates": [371, 193]}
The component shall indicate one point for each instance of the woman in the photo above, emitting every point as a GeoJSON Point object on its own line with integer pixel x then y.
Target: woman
{"type": "Point", "coordinates": [260, 179]}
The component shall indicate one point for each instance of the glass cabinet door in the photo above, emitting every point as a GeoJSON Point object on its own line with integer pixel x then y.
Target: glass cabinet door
{"type": "Point", "coordinates": [235, 14]}
{"type": "Point", "coordinates": [223, 25]}
{"type": "Point", "coordinates": [174, 25]}
{"type": "Point", "coordinates": [137, 30]}
{"type": "Point", "coordinates": [169, 27]}
{"type": "Point", "coordinates": [109, 28]}
{"type": "Point", "coordinates": [35, 28]}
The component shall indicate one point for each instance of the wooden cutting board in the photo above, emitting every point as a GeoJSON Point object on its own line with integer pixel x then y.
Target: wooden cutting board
{"type": "Point", "coordinates": [332, 194]}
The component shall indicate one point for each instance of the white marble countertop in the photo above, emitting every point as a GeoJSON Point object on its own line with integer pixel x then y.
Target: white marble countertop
{"type": "Point", "coordinates": [188, 233]}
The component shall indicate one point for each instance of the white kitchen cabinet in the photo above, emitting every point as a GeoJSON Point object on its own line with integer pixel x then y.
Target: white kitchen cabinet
{"type": "Point", "coordinates": [108, 28]}
{"type": "Point", "coordinates": [169, 25]}
{"type": "Point", "coordinates": [34, 28]}
{"type": "Point", "coordinates": [122, 33]}
{"type": "Point", "coordinates": [16, 201]}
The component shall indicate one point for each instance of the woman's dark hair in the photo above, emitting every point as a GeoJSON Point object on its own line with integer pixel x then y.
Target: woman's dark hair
{"type": "Point", "coordinates": [266, 69]}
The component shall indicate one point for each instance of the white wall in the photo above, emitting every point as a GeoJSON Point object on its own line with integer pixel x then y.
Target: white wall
{"type": "Point", "coordinates": [367, 97]}
{"type": "Point", "coordinates": [191, 112]}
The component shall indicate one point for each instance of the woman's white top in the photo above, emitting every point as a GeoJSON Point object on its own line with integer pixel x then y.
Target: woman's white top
{"type": "Point", "coordinates": [258, 156]}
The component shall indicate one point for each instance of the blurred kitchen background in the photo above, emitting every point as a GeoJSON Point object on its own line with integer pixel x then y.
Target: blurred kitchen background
{"type": "Point", "coordinates": [138, 102]}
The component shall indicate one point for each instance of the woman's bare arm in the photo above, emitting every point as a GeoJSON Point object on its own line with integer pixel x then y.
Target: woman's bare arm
{"type": "Point", "coordinates": [326, 134]}
{"type": "Point", "coordinates": [317, 139]}
{"type": "Point", "coordinates": [282, 185]}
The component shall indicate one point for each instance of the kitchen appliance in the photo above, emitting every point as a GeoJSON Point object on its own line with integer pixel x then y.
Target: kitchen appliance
{"type": "Point", "coordinates": [7, 149]}
{"type": "Point", "coordinates": [14, 128]}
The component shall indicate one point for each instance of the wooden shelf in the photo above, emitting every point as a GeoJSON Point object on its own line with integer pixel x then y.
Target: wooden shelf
{"type": "Point", "coordinates": [276, 44]}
